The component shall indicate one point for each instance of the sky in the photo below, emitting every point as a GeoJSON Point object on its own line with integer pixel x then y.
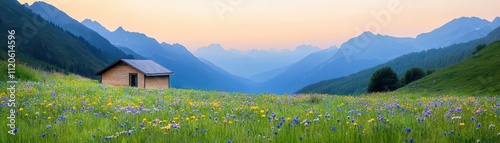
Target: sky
{"type": "Point", "coordinates": [276, 24]}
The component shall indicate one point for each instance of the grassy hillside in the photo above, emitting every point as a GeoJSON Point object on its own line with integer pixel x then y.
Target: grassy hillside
{"type": "Point", "coordinates": [66, 108]}
{"type": "Point", "coordinates": [477, 75]}
{"type": "Point", "coordinates": [43, 45]}
{"type": "Point", "coordinates": [427, 60]}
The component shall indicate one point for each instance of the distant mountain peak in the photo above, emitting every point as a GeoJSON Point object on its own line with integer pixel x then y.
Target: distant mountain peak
{"type": "Point", "coordinates": [165, 43]}
{"type": "Point", "coordinates": [86, 20]}
{"type": "Point", "coordinates": [367, 33]}
{"type": "Point", "coordinates": [497, 19]}
{"type": "Point", "coordinates": [120, 29]}
{"type": "Point", "coordinates": [215, 45]}
{"type": "Point", "coordinates": [303, 48]}
{"type": "Point", "coordinates": [42, 4]}
{"type": "Point", "coordinates": [466, 19]}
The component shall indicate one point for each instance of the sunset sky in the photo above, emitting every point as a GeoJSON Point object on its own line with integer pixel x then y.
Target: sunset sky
{"type": "Point", "coordinates": [277, 24]}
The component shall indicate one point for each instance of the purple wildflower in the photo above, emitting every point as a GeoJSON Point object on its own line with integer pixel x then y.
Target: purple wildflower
{"type": "Point", "coordinates": [408, 130]}
{"type": "Point", "coordinates": [473, 119]}
{"type": "Point", "coordinates": [333, 128]}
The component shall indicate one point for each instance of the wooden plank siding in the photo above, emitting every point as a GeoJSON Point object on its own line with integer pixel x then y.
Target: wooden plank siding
{"type": "Point", "coordinates": [118, 75]}
{"type": "Point", "coordinates": [157, 81]}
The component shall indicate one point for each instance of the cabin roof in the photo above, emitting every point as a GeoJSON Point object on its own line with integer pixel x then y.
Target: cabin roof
{"type": "Point", "coordinates": [148, 67]}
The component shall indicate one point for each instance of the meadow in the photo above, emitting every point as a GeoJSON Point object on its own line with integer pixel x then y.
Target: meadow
{"type": "Point", "coordinates": [53, 107]}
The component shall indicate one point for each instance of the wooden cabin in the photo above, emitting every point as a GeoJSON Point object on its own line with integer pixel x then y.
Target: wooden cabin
{"type": "Point", "coordinates": [136, 73]}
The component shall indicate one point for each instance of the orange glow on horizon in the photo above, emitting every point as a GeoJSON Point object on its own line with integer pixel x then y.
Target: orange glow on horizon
{"type": "Point", "coordinates": [278, 24]}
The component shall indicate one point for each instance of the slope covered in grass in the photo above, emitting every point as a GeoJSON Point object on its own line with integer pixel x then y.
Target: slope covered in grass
{"type": "Point", "coordinates": [478, 75]}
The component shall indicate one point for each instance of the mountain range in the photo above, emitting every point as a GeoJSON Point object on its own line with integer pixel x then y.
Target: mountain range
{"type": "Point", "coordinates": [430, 59]}
{"type": "Point", "coordinates": [191, 72]}
{"type": "Point", "coordinates": [249, 64]}
{"type": "Point", "coordinates": [368, 50]}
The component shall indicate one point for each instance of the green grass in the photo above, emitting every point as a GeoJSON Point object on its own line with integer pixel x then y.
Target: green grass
{"type": "Point", "coordinates": [240, 116]}
{"type": "Point", "coordinates": [477, 75]}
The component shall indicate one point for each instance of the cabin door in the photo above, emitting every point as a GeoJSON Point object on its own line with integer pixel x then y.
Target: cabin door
{"type": "Point", "coordinates": [133, 79]}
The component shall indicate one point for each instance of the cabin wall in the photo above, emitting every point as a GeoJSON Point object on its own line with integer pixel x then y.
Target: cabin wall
{"type": "Point", "coordinates": [118, 75]}
{"type": "Point", "coordinates": [158, 82]}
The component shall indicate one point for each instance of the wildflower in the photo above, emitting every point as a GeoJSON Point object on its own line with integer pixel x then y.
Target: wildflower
{"type": "Point", "coordinates": [478, 125]}
{"type": "Point", "coordinates": [491, 126]}
{"type": "Point", "coordinates": [202, 116]}
{"type": "Point", "coordinates": [408, 130]}
{"type": "Point", "coordinates": [262, 111]}
{"type": "Point", "coordinates": [203, 131]}
{"type": "Point", "coordinates": [48, 127]}
{"type": "Point", "coordinates": [21, 109]}
{"type": "Point", "coordinates": [355, 124]}
{"type": "Point", "coordinates": [144, 119]}
{"type": "Point", "coordinates": [479, 111]}
{"type": "Point", "coordinates": [114, 118]}
{"type": "Point", "coordinates": [216, 119]}
{"type": "Point", "coordinates": [166, 127]}
{"type": "Point", "coordinates": [263, 115]}
{"type": "Point", "coordinates": [473, 119]}
{"type": "Point", "coordinates": [409, 140]}
{"type": "Point", "coordinates": [452, 131]}
{"type": "Point", "coordinates": [187, 119]}
{"type": "Point", "coordinates": [229, 141]}
{"type": "Point", "coordinates": [288, 119]}
{"type": "Point", "coordinates": [216, 105]}
{"type": "Point", "coordinates": [80, 122]}
{"type": "Point", "coordinates": [254, 108]}
{"type": "Point", "coordinates": [26, 115]}
{"type": "Point", "coordinates": [62, 117]}
{"type": "Point", "coordinates": [333, 128]}
{"type": "Point", "coordinates": [43, 135]}
{"type": "Point", "coordinates": [462, 124]}
{"type": "Point", "coordinates": [55, 135]}
{"type": "Point", "coordinates": [49, 118]}
{"type": "Point", "coordinates": [371, 120]}
{"type": "Point", "coordinates": [275, 133]}
{"type": "Point", "coordinates": [142, 124]}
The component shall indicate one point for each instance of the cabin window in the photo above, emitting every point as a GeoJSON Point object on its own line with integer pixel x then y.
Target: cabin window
{"type": "Point", "coordinates": [133, 79]}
